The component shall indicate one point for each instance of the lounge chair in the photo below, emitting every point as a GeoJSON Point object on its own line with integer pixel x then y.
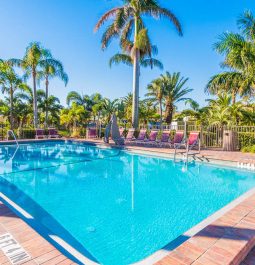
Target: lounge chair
{"type": "Point", "coordinates": [40, 134]}
{"type": "Point", "coordinates": [165, 139]}
{"type": "Point", "coordinates": [178, 139]}
{"type": "Point", "coordinates": [193, 141]}
{"type": "Point", "coordinates": [92, 133]}
{"type": "Point", "coordinates": [53, 133]}
{"type": "Point", "coordinates": [152, 138]}
{"type": "Point", "coordinates": [141, 137]}
{"type": "Point", "coordinates": [130, 135]}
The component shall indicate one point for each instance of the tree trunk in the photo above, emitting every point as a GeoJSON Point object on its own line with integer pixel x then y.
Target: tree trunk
{"type": "Point", "coordinates": [11, 109]}
{"type": "Point", "coordinates": [136, 75]}
{"type": "Point", "coordinates": [46, 101]}
{"type": "Point", "coordinates": [169, 112]}
{"type": "Point", "coordinates": [233, 97]}
{"type": "Point", "coordinates": [161, 120]}
{"type": "Point", "coordinates": [35, 100]}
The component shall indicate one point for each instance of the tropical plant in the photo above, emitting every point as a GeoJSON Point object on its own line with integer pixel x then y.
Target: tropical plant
{"type": "Point", "coordinates": [234, 83]}
{"type": "Point", "coordinates": [10, 82]}
{"type": "Point", "coordinates": [239, 56]}
{"type": "Point", "coordinates": [128, 101]}
{"type": "Point", "coordinates": [109, 107]}
{"type": "Point", "coordinates": [50, 68]}
{"type": "Point", "coordinates": [173, 89]}
{"type": "Point", "coordinates": [73, 117]}
{"type": "Point", "coordinates": [52, 105]}
{"type": "Point", "coordinates": [34, 55]}
{"type": "Point", "coordinates": [128, 21]}
{"type": "Point", "coordinates": [148, 111]}
{"type": "Point", "coordinates": [156, 94]}
{"type": "Point", "coordinates": [82, 100]}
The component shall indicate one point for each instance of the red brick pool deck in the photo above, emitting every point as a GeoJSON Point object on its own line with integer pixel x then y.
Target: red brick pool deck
{"type": "Point", "coordinates": [40, 250]}
{"type": "Point", "coordinates": [230, 240]}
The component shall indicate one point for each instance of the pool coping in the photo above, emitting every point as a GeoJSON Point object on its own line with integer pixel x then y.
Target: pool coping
{"type": "Point", "coordinates": [161, 255]}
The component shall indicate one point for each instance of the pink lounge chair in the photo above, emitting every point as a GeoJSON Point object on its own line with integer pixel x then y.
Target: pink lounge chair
{"type": "Point", "coordinates": [152, 138]}
{"type": "Point", "coordinates": [40, 134]}
{"type": "Point", "coordinates": [141, 137]}
{"type": "Point", "coordinates": [193, 141]}
{"type": "Point", "coordinates": [91, 133]}
{"type": "Point", "coordinates": [53, 133]}
{"type": "Point", "coordinates": [130, 135]}
{"type": "Point", "coordinates": [178, 139]}
{"type": "Point", "coordinates": [165, 139]}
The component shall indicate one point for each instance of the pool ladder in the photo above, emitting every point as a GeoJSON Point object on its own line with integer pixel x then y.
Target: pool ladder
{"type": "Point", "coordinates": [10, 132]}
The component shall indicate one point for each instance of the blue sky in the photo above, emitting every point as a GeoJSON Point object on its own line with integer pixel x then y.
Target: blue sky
{"type": "Point", "coordinates": [66, 28]}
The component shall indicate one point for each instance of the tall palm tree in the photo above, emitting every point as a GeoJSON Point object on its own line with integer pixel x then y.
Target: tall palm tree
{"type": "Point", "coordinates": [50, 68]}
{"type": "Point", "coordinates": [174, 92]}
{"type": "Point", "coordinates": [9, 83]}
{"type": "Point", "coordinates": [128, 21]}
{"type": "Point", "coordinates": [30, 63]}
{"type": "Point", "coordinates": [146, 51]}
{"type": "Point", "coordinates": [156, 94]}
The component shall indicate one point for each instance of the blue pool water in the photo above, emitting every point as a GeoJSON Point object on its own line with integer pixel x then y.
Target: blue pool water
{"type": "Point", "coordinates": [117, 206]}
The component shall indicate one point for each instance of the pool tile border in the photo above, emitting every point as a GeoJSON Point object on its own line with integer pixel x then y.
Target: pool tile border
{"type": "Point", "coordinates": [227, 240]}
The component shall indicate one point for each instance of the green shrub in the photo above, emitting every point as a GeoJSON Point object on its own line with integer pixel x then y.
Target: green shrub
{"type": "Point", "coordinates": [246, 139]}
{"type": "Point", "coordinates": [25, 133]}
{"type": "Point", "coordinates": [248, 149]}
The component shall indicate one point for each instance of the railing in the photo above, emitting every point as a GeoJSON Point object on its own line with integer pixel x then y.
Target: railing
{"type": "Point", "coordinates": [13, 135]}
{"type": "Point", "coordinates": [212, 135]}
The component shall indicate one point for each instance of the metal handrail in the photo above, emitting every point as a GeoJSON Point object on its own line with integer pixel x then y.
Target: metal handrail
{"type": "Point", "coordinates": [13, 135]}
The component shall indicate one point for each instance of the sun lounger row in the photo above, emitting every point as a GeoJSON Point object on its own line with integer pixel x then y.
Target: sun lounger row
{"type": "Point", "coordinates": [41, 134]}
{"type": "Point", "coordinates": [179, 140]}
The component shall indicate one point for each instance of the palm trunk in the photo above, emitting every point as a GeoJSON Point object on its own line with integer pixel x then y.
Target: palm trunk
{"type": "Point", "coordinates": [169, 112]}
{"type": "Point", "coordinates": [46, 101]}
{"type": "Point", "coordinates": [233, 97]}
{"type": "Point", "coordinates": [136, 75]}
{"type": "Point", "coordinates": [35, 100]}
{"type": "Point", "coordinates": [11, 109]}
{"type": "Point", "coordinates": [161, 111]}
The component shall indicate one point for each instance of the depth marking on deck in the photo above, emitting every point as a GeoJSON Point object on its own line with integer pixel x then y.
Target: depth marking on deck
{"type": "Point", "coordinates": [13, 250]}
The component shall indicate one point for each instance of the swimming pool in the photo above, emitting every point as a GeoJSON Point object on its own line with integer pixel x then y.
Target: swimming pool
{"type": "Point", "coordinates": [114, 206]}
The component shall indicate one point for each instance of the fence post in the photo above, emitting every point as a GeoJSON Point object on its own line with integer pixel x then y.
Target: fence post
{"type": "Point", "coordinates": [201, 135]}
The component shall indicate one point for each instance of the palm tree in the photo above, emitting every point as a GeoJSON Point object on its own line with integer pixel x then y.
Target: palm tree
{"type": "Point", "coordinates": [10, 82]}
{"type": "Point", "coordinates": [174, 92]}
{"type": "Point", "coordinates": [34, 55]}
{"type": "Point", "coordinates": [222, 112]}
{"type": "Point", "coordinates": [148, 111]}
{"type": "Point", "coordinates": [74, 116]}
{"type": "Point", "coordinates": [109, 107]}
{"type": "Point", "coordinates": [156, 94]}
{"type": "Point", "coordinates": [51, 68]}
{"type": "Point", "coordinates": [234, 83]}
{"type": "Point", "coordinates": [146, 52]}
{"type": "Point", "coordinates": [52, 104]}
{"type": "Point", "coordinates": [127, 22]}
{"type": "Point", "coordinates": [82, 100]}
{"type": "Point", "coordinates": [239, 52]}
